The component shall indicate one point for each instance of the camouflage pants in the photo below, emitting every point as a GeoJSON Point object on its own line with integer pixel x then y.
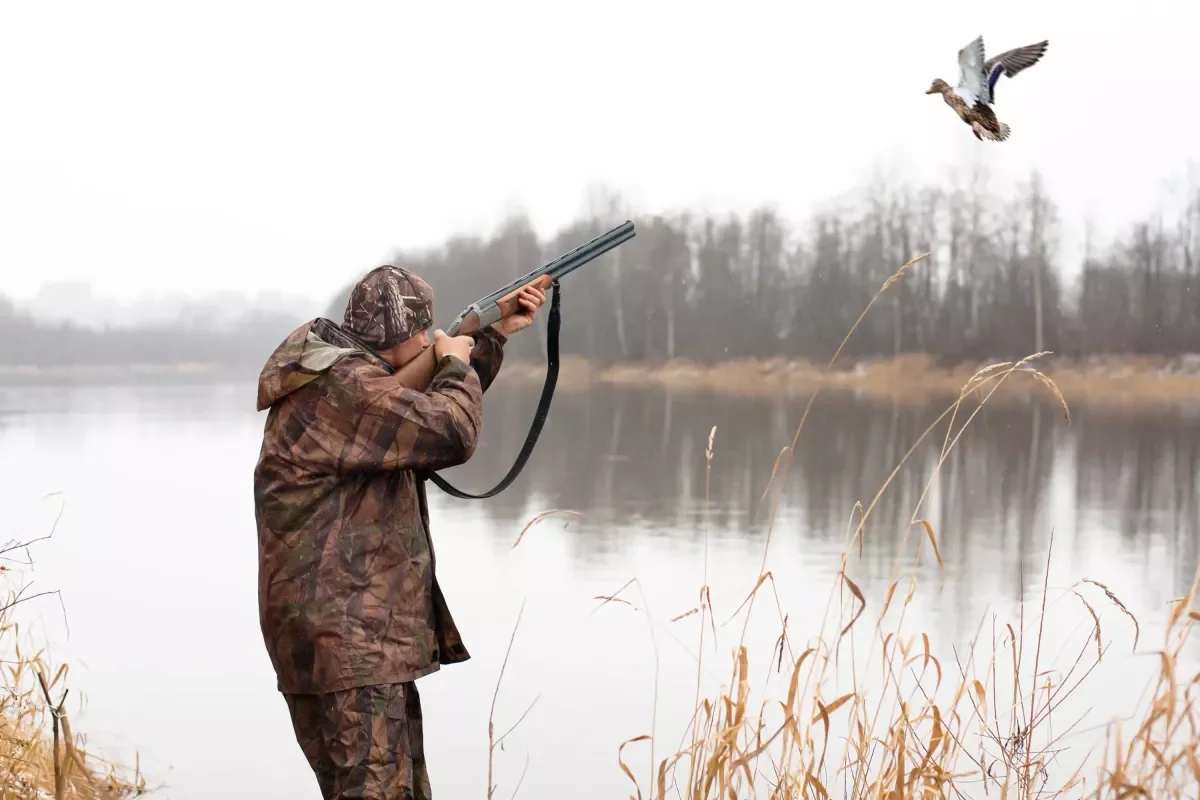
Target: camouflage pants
{"type": "Point", "coordinates": [365, 743]}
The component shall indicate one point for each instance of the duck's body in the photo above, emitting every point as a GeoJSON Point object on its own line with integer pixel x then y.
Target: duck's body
{"type": "Point", "coordinates": [976, 91]}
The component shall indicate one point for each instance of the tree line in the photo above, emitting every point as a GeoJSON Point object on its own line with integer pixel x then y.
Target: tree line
{"type": "Point", "coordinates": [242, 345]}
{"type": "Point", "coordinates": [711, 288]}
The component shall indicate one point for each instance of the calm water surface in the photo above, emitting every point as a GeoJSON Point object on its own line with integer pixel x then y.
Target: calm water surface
{"type": "Point", "coordinates": [155, 556]}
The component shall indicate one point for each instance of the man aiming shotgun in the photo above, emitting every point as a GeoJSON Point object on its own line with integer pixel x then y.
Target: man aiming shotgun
{"type": "Point", "coordinates": [503, 302]}
{"type": "Point", "coordinates": [360, 414]}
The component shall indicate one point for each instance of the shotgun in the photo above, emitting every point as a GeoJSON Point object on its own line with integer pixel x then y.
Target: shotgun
{"type": "Point", "coordinates": [418, 373]}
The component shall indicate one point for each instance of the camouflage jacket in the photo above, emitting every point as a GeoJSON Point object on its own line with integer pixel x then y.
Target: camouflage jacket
{"type": "Point", "coordinates": [346, 588]}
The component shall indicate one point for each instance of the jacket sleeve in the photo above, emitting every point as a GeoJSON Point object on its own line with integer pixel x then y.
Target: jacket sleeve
{"type": "Point", "coordinates": [373, 424]}
{"type": "Point", "coordinates": [488, 355]}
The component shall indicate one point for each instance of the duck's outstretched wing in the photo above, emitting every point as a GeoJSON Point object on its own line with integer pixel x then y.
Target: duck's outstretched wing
{"type": "Point", "coordinates": [972, 80]}
{"type": "Point", "coordinates": [1011, 62]}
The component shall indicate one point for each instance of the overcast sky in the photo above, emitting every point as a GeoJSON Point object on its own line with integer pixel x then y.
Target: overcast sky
{"type": "Point", "coordinates": [157, 147]}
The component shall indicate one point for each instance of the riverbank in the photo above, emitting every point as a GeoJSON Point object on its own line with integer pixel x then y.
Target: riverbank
{"type": "Point", "coordinates": [81, 374]}
{"type": "Point", "coordinates": [1119, 381]}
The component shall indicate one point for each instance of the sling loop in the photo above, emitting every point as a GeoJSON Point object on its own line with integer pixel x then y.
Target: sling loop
{"type": "Point", "coordinates": [543, 409]}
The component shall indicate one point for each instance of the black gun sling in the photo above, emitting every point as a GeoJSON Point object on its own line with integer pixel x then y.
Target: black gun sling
{"type": "Point", "coordinates": [543, 409]}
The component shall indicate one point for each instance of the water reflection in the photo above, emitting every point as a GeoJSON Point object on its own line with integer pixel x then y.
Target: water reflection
{"type": "Point", "coordinates": [636, 458]}
{"type": "Point", "coordinates": [1139, 474]}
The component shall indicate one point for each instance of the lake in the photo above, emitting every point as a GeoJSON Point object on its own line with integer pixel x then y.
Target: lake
{"type": "Point", "coordinates": [155, 557]}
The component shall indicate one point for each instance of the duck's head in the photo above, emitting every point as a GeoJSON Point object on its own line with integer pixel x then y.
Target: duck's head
{"type": "Point", "coordinates": [938, 86]}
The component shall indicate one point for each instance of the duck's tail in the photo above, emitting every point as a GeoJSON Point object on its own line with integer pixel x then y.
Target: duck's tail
{"type": "Point", "coordinates": [998, 133]}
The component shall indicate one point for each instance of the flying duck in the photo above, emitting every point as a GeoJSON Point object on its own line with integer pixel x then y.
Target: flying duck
{"type": "Point", "coordinates": [976, 91]}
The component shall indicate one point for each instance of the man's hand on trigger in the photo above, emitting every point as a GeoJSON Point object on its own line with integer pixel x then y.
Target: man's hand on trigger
{"type": "Point", "coordinates": [458, 346]}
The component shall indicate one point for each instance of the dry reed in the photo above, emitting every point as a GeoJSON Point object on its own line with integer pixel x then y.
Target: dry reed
{"type": "Point", "coordinates": [900, 736]}
{"type": "Point", "coordinates": [41, 757]}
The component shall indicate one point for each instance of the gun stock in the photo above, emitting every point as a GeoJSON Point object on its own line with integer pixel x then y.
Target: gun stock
{"type": "Point", "coordinates": [418, 373]}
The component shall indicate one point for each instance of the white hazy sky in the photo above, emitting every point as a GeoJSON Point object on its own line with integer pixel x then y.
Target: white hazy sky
{"type": "Point", "coordinates": [196, 147]}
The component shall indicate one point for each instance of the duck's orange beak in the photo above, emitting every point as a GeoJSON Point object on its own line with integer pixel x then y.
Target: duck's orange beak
{"type": "Point", "coordinates": [930, 91]}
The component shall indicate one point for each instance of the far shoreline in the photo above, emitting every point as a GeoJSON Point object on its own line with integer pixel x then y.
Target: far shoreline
{"type": "Point", "coordinates": [1136, 383]}
{"type": "Point", "coordinates": [1132, 382]}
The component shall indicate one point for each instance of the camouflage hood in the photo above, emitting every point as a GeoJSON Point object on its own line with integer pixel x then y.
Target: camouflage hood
{"type": "Point", "coordinates": [307, 353]}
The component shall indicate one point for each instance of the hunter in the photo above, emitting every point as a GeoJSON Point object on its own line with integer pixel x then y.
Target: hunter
{"type": "Point", "coordinates": [349, 604]}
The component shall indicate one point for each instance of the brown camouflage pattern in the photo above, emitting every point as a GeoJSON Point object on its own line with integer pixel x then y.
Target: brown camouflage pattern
{"type": "Point", "coordinates": [346, 589]}
{"type": "Point", "coordinates": [367, 742]}
{"type": "Point", "coordinates": [388, 306]}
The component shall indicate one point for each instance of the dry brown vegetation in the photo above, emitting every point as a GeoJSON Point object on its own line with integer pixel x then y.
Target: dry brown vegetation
{"type": "Point", "coordinates": [41, 757]}
{"type": "Point", "coordinates": [901, 737]}
{"type": "Point", "coordinates": [906, 725]}
{"type": "Point", "coordinates": [1131, 382]}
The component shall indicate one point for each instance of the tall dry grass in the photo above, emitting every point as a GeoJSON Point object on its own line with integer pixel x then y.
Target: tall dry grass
{"type": "Point", "coordinates": [41, 756]}
{"type": "Point", "coordinates": [908, 725]}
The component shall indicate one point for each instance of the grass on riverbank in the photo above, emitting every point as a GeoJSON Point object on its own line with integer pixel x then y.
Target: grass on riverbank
{"type": "Point", "coordinates": [41, 756]}
{"type": "Point", "coordinates": [909, 725]}
{"type": "Point", "coordinates": [1120, 382]}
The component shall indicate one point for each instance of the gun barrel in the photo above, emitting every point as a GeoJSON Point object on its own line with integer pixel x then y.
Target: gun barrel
{"type": "Point", "coordinates": [568, 262]}
{"type": "Point", "coordinates": [593, 249]}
